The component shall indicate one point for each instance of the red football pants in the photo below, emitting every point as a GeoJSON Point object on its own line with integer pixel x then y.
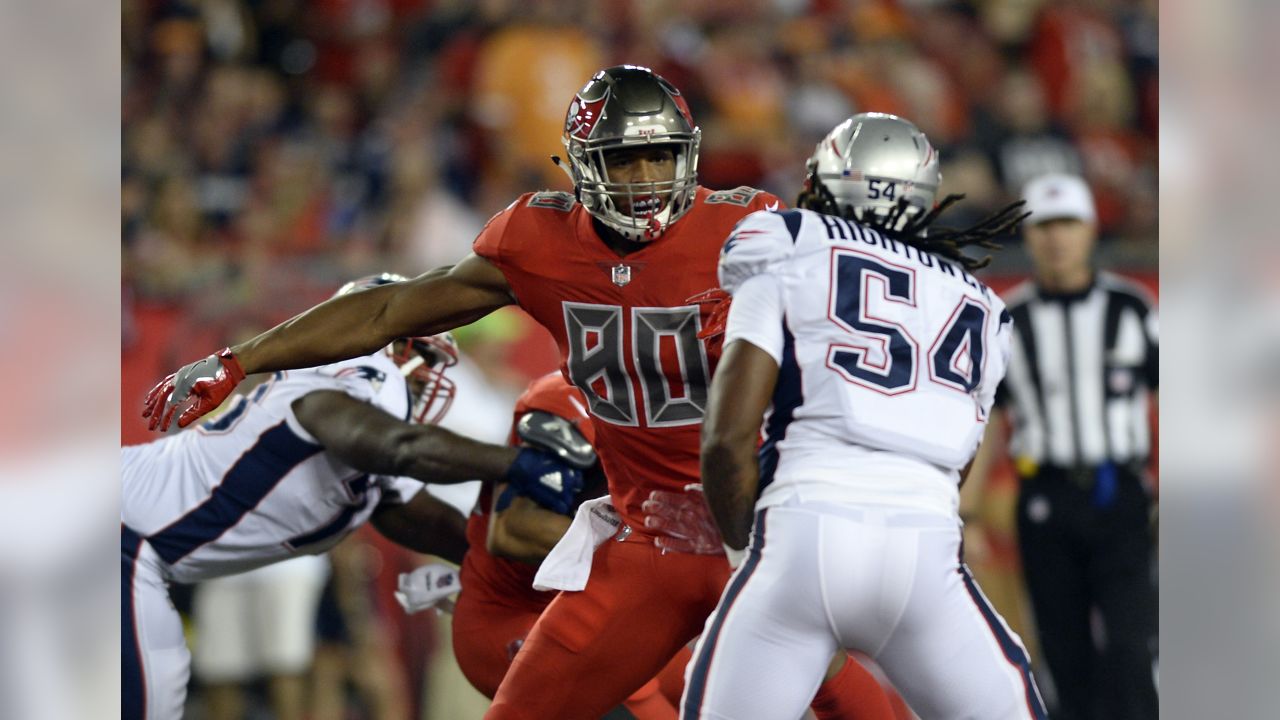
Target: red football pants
{"type": "Point", "coordinates": [486, 635]}
{"type": "Point", "coordinates": [488, 632]}
{"type": "Point", "coordinates": [592, 649]}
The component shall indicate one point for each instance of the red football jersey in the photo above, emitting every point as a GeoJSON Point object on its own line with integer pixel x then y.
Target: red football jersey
{"type": "Point", "coordinates": [511, 581]}
{"type": "Point", "coordinates": [627, 336]}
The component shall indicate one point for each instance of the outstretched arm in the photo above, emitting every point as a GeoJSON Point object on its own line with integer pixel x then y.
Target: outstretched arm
{"type": "Point", "coordinates": [347, 326]}
{"type": "Point", "coordinates": [426, 525]}
{"type": "Point", "coordinates": [362, 322]}
{"type": "Point", "coordinates": [741, 390]}
{"type": "Point", "coordinates": [371, 440]}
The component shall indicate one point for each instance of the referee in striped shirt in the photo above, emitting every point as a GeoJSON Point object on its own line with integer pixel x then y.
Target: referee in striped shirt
{"type": "Point", "coordinates": [1081, 379]}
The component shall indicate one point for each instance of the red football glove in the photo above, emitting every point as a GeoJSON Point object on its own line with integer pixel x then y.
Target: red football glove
{"type": "Point", "coordinates": [208, 382]}
{"type": "Point", "coordinates": [683, 521]}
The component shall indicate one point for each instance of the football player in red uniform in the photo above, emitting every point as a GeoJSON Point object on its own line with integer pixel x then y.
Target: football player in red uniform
{"type": "Point", "coordinates": [608, 270]}
{"type": "Point", "coordinates": [509, 536]}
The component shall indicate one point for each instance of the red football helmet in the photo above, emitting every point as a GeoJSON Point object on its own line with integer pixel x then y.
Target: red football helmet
{"type": "Point", "coordinates": [422, 360]}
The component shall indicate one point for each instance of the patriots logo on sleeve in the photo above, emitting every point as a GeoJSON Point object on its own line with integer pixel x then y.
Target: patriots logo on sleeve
{"type": "Point", "coordinates": [737, 236]}
{"type": "Point", "coordinates": [375, 376]}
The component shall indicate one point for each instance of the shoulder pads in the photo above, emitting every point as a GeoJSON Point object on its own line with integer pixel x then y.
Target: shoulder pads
{"type": "Point", "coordinates": [557, 435]}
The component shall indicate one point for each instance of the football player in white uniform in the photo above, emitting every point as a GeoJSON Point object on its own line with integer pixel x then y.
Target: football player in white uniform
{"type": "Point", "coordinates": [289, 469]}
{"type": "Point", "coordinates": [877, 355]}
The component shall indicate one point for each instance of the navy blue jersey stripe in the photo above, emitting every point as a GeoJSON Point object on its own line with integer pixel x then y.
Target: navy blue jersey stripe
{"type": "Point", "coordinates": [1013, 652]}
{"type": "Point", "coordinates": [357, 489]}
{"type": "Point", "coordinates": [336, 526]}
{"type": "Point", "coordinates": [257, 472]}
{"type": "Point", "coordinates": [792, 218]}
{"type": "Point", "coordinates": [133, 684]}
{"type": "Point", "coordinates": [697, 689]}
{"type": "Point", "coordinates": [130, 542]}
{"type": "Point", "coordinates": [788, 394]}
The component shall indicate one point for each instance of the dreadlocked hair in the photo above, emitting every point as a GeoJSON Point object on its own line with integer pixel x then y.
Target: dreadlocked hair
{"type": "Point", "coordinates": [918, 231]}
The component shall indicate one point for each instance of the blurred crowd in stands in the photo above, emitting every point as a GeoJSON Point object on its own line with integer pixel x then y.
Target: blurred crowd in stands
{"type": "Point", "coordinates": [272, 148]}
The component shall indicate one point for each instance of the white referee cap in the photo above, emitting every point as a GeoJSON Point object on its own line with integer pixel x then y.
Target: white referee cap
{"type": "Point", "coordinates": [1058, 195]}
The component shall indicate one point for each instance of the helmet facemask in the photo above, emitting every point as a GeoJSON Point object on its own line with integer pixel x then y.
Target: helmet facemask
{"type": "Point", "coordinates": [423, 361]}
{"type": "Point", "coordinates": [629, 107]}
{"type": "Point", "coordinates": [653, 206]}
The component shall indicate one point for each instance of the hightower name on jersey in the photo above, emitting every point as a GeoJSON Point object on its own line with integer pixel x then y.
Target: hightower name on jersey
{"type": "Point", "coordinates": [840, 229]}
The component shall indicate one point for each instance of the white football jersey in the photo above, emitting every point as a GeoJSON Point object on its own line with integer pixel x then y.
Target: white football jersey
{"type": "Point", "coordinates": [251, 486]}
{"type": "Point", "coordinates": [888, 359]}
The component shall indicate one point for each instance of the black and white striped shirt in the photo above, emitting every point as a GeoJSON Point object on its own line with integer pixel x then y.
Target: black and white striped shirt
{"type": "Point", "coordinates": [1082, 369]}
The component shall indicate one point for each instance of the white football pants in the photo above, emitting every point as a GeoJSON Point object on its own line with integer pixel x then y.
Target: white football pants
{"type": "Point", "coordinates": [154, 663]}
{"type": "Point", "coordinates": [887, 583]}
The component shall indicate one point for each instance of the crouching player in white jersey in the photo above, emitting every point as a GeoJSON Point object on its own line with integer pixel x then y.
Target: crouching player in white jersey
{"type": "Point", "coordinates": [291, 469]}
{"type": "Point", "coordinates": [880, 354]}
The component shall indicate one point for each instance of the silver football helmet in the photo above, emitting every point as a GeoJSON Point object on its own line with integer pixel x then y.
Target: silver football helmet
{"type": "Point", "coordinates": [422, 360]}
{"type": "Point", "coordinates": [623, 106]}
{"type": "Point", "coordinates": [871, 162]}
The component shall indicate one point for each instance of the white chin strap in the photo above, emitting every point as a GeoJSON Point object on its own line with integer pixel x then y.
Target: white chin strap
{"type": "Point", "coordinates": [565, 167]}
{"type": "Point", "coordinates": [412, 365]}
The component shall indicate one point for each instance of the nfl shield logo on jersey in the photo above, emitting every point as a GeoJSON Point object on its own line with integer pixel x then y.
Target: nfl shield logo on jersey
{"type": "Point", "coordinates": [621, 274]}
